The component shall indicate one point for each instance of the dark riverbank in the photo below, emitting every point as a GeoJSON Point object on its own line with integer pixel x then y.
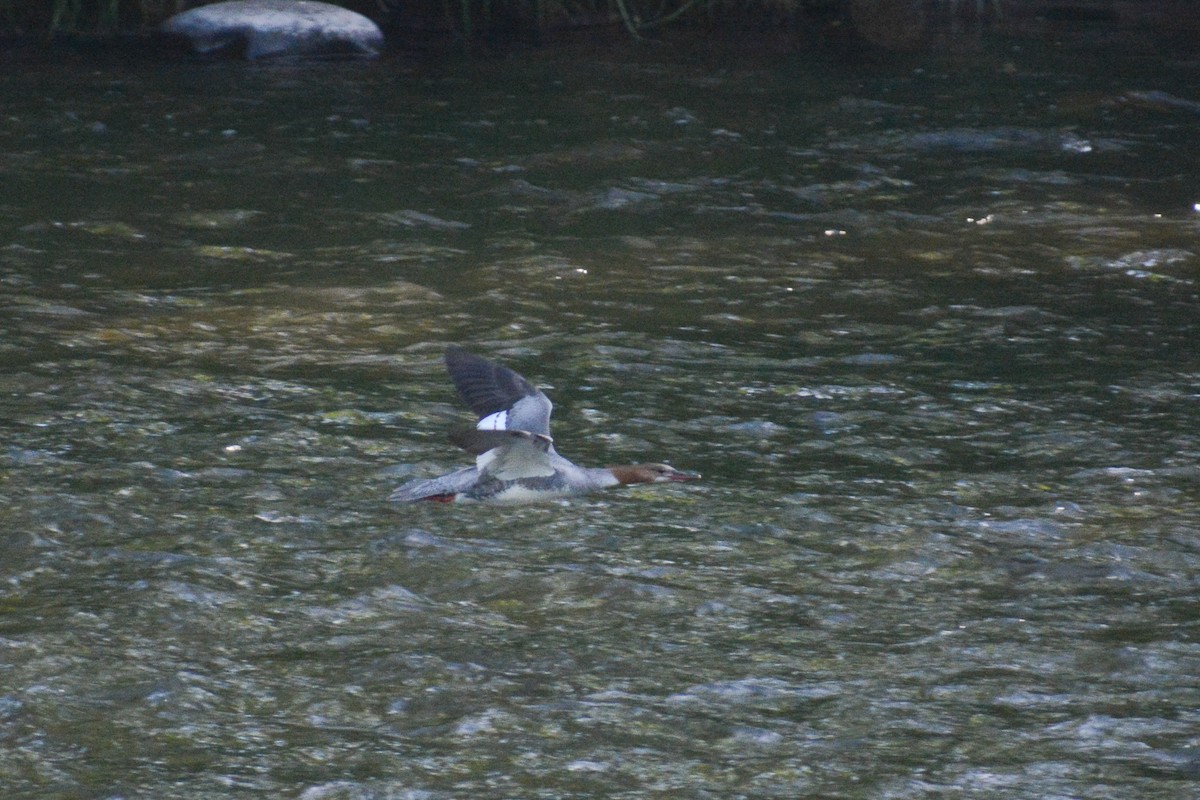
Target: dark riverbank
{"type": "Point", "coordinates": [110, 29]}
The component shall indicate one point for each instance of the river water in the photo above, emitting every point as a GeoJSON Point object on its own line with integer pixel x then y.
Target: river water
{"type": "Point", "coordinates": [928, 327]}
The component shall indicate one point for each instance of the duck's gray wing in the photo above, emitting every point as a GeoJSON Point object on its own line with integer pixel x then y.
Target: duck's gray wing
{"type": "Point", "coordinates": [477, 442]}
{"type": "Point", "coordinates": [425, 488]}
{"type": "Point", "coordinates": [502, 399]}
{"type": "Point", "coordinates": [522, 457]}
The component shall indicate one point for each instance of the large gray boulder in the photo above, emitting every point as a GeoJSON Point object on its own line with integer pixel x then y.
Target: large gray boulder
{"type": "Point", "coordinates": [277, 28]}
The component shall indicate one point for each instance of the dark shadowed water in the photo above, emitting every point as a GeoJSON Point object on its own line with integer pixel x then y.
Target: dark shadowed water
{"type": "Point", "coordinates": [929, 329]}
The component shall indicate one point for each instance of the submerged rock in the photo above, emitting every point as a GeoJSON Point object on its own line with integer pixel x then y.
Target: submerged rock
{"type": "Point", "coordinates": [277, 28]}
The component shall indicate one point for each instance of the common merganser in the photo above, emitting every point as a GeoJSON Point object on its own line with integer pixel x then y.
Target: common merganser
{"type": "Point", "coordinates": [515, 459]}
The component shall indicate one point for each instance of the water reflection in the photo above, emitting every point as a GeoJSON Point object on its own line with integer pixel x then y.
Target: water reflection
{"type": "Point", "coordinates": [935, 354]}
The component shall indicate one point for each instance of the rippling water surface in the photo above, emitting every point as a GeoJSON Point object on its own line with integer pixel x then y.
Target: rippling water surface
{"type": "Point", "coordinates": [929, 329]}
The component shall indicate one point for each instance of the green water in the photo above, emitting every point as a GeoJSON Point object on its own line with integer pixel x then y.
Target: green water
{"type": "Point", "coordinates": [927, 327]}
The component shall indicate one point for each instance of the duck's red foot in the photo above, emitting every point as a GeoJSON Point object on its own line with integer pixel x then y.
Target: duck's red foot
{"type": "Point", "coordinates": [440, 498]}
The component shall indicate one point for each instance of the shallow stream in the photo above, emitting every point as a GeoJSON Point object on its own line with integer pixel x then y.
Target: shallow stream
{"type": "Point", "coordinates": [928, 327]}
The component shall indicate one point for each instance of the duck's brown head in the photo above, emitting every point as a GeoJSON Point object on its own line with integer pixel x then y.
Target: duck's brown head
{"type": "Point", "coordinates": [651, 473]}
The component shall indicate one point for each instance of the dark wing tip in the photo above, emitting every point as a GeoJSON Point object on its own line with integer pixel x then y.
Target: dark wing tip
{"type": "Point", "coordinates": [454, 352]}
{"type": "Point", "coordinates": [484, 386]}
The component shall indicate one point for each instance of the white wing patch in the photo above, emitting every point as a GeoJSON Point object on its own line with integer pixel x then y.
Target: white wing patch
{"type": "Point", "coordinates": [494, 422]}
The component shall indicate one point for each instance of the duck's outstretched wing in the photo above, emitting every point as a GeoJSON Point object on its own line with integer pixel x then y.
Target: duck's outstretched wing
{"type": "Point", "coordinates": [523, 456]}
{"type": "Point", "coordinates": [502, 399]}
{"type": "Point", "coordinates": [477, 442]}
{"type": "Point", "coordinates": [444, 486]}
{"type": "Point", "coordinates": [508, 455]}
